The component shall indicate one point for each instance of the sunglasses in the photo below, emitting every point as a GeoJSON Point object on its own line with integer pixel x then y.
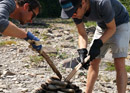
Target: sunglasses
{"type": "Point", "coordinates": [34, 14]}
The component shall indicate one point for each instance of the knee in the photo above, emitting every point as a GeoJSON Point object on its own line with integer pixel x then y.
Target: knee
{"type": "Point", "coordinates": [95, 62]}
{"type": "Point", "coordinates": [121, 59]}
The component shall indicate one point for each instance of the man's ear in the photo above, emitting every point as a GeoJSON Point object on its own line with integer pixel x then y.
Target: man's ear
{"type": "Point", "coordinates": [26, 6]}
{"type": "Point", "coordinates": [83, 1]}
{"type": "Point", "coordinates": [84, 4]}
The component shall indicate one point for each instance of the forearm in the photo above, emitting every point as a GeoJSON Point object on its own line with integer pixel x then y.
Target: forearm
{"type": "Point", "coordinates": [107, 34]}
{"type": "Point", "coordinates": [111, 29]}
{"type": "Point", "coordinates": [83, 39]}
{"type": "Point", "coordinates": [13, 31]}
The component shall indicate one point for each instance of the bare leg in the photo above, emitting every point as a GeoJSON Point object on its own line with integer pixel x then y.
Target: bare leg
{"type": "Point", "coordinates": [92, 75]}
{"type": "Point", "coordinates": [121, 76]}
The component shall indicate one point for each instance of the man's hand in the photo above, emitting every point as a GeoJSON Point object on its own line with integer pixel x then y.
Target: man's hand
{"type": "Point", "coordinates": [31, 37]}
{"type": "Point", "coordinates": [95, 49]}
{"type": "Point", "coordinates": [82, 55]}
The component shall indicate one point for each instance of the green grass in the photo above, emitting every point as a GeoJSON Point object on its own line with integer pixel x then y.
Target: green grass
{"type": "Point", "coordinates": [58, 20]}
{"type": "Point", "coordinates": [44, 37]}
{"type": "Point", "coordinates": [36, 59]}
{"type": "Point", "coordinates": [67, 21]}
{"type": "Point", "coordinates": [90, 23]}
{"type": "Point", "coordinates": [52, 54]}
{"type": "Point", "coordinates": [3, 43]}
{"type": "Point", "coordinates": [111, 67]}
{"type": "Point", "coordinates": [127, 68]}
{"type": "Point", "coordinates": [63, 55]}
{"type": "Point", "coordinates": [89, 40]}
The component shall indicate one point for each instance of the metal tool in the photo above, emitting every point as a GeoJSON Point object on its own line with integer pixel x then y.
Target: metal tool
{"type": "Point", "coordinates": [73, 72]}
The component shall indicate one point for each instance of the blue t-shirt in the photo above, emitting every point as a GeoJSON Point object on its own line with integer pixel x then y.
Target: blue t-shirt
{"type": "Point", "coordinates": [103, 11]}
{"type": "Point", "coordinates": [6, 8]}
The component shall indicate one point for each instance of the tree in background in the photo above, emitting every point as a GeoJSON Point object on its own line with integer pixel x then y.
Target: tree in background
{"type": "Point", "coordinates": [51, 8]}
{"type": "Point", "coordinates": [126, 3]}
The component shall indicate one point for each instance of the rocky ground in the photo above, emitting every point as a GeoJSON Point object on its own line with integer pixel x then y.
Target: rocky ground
{"type": "Point", "coordinates": [23, 70]}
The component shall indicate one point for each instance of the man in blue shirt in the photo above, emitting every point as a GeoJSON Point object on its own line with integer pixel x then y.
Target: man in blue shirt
{"type": "Point", "coordinates": [112, 31]}
{"type": "Point", "coordinates": [23, 11]}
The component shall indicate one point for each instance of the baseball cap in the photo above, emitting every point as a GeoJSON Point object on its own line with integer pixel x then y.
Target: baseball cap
{"type": "Point", "coordinates": [68, 8]}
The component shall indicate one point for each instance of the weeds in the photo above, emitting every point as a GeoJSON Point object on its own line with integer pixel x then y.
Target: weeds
{"type": "Point", "coordinates": [52, 54]}
{"type": "Point", "coordinates": [63, 56]}
{"type": "Point", "coordinates": [3, 43]}
{"type": "Point", "coordinates": [44, 36]}
{"type": "Point", "coordinates": [111, 67]}
{"type": "Point", "coordinates": [36, 59]}
{"type": "Point", "coordinates": [89, 40]}
{"type": "Point", "coordinates": [88, 24]}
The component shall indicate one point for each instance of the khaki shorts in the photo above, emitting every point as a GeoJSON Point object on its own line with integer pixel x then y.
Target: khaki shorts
{"type": "Point", "coordinates": [118, 43]}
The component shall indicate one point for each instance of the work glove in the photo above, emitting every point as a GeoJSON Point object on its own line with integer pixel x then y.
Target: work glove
{"type": "Point", "coordinates": [32, 40]}
{"type": "Point", "coordinates": [95, 49]}
{"type": "Point", "coordinates": [82, 55]}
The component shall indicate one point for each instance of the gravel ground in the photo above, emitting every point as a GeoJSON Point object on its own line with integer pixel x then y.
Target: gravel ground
{"type": "Point", "coordinates": [23, 70]}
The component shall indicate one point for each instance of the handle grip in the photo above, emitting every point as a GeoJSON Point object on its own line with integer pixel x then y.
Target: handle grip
{"type": "Point", "coordinates": [73, 72]}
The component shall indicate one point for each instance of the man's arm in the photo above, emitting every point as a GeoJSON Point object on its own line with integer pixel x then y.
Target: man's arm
{"type": "Point", "coordinates": [14, 31]}
{"type": "Point", "coordinates": [98, 43]}
{"type": "Point", "coordinates": [111, 29]}
{"type": "Point", "coordinates": [83, 39]}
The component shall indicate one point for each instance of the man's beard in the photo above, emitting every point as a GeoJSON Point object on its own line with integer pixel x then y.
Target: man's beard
{"type": "Point", "coordinates": [22, 23]}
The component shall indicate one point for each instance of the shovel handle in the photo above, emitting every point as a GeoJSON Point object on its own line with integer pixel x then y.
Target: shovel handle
{"type": "Point", "coordinates": [51, 64]}
{"type": "Point", "coordinates": [73, 72]}
{"type": "Point", "coordinates": [49, 61]}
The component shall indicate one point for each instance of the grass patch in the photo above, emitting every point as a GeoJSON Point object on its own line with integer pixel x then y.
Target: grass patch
{"type": "Point", "coordinates": [52, 54]}
{"type": "Point", "coordinates": [36, 59]}
{"type": "Point", "coordinates": [67, 21]}
{"type": "Point", "coordinates": [45, 37]}
{"type": "Point", "coordinates": [3, 43]}
{"type": "Point", "coordinates": [72, 40]}
{"type": "Point", "coordinates": [90, 23]}
{"type": "Point", "coordinates": [57, 20]}
{"type": "Point", "coordinates": [111, 67]}
{"type": "Point", "coordinates": [82, 74]}
{"type": "Point", "coordinates": [89, 40]}
{"type": "Point", "coordinates": [63, 56]}
{"type": "Point", "coordinates": [127, 68]}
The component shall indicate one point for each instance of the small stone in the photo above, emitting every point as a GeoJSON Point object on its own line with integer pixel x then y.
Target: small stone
{"type": "Point", "coordinates": [3, 86]}
{"type": "Point", "coordinates": [66, 32]}
{"type": "Point", "coordinates": [17, 82]}
{"type": "Point", "coordinates": [1, 65]}
{"type": "Point", "coordinates": [68, 38]}
{"type": "Point", "coordinates": [21, 50]}
{"type": "Point", "coordinates": [1, 90]}
{"type": "Point", "coordinates": [7, 73]}
{"type": "Point", "coordinates": [24, 90]}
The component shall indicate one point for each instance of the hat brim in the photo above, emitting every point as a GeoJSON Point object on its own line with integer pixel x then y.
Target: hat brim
{"type": "Point", "coordinates": [68, 14]}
